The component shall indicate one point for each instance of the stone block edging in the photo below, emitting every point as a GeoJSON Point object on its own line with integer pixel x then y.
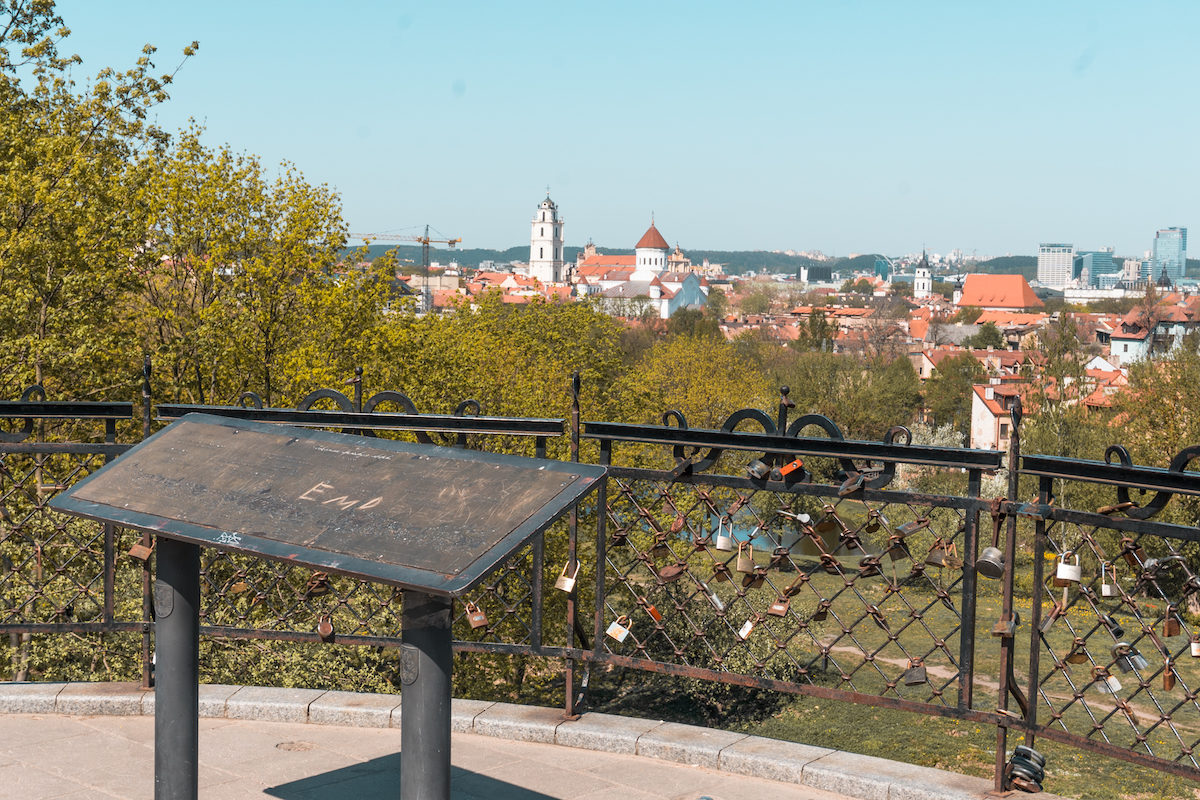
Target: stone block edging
{"type": "Point", "coordinates": [849, 774]}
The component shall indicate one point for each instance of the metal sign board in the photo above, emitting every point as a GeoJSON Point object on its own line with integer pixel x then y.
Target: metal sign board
{"type": "Point", "coordinates": [417, 516]}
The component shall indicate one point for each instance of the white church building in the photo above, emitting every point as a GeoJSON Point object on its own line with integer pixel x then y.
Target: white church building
{"type": "Point", "coordinates": [546, 244]}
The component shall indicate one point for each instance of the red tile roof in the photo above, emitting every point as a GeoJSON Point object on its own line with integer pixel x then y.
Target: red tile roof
{"type": "Point", "coordinates": [998, 291]}
{"type": "Point", "coordinates": [652, 238]}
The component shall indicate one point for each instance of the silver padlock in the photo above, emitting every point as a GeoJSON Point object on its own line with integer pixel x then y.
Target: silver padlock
{"type": "Point", "coordinates": [1108, 589]}
{"type": "Point", "coordinates": [1067, 573]}
{"type": "Point", "coordinates": [619, 629]}
{"type": "Point", "coordinates": [1195, 648]}
{"type": "Point", "coordinates": [566, 582]}
{"type": "Point", "coordinates": [724, 540]}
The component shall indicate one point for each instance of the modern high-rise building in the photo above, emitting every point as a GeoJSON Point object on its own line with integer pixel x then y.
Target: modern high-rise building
{"type": "Point", "coordinates": [1098, 266]}
{"type": "Point", "coordinates": [1170, 254]}
{"type": "Point", "coordinates": [1056, 264]}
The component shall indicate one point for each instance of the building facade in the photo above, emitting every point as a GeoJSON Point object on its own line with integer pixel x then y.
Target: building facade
{"type": "Point", "coordinates": [1056, 264]}
{"type": "Point", "coordinates": [546, 244]}
{"type": "Point", "coordinates": [1169, 254]}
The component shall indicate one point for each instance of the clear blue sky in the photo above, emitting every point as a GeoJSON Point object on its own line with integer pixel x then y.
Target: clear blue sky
{"type": "Point", "coordinates": [839, 126]}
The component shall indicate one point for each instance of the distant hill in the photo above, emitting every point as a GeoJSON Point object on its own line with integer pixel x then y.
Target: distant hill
{"type": "Point", "coordinates": [736, 262]}
{"type": "Point", "coordinates": [1009, 265]}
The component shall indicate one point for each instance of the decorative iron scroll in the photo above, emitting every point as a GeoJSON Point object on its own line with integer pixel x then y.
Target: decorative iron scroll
{"type": "Point", "coordinates": [33, 394]}
{"type": "Point", "coordinates": [1131, 509]}
{"type": "Point", "coordinates": [855, 477]}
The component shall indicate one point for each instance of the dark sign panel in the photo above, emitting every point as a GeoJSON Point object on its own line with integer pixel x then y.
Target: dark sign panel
{"type": "Point", "coordinates": [432, 518]}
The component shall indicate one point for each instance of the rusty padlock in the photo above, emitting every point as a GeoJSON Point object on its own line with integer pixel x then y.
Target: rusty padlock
{"type": "Point", "coordinates": [140, 551]}
{"type": "Point", "coordinates": [1133, 554]}
{"type": "Point", "coordinates": [566, 582]}
{"type": "Point", "coordinates": [780, 557]}
{"type": "Point", "coordinates": [909, 528]}
{"type": "Point", "coordinates": [325, 628]}
{"type": "Point", "coordinates": [868, 567]}
{"type": "Point", "coordinates": [780, 607]}
{"type": "Point", "coordinates": [475, 615]}
{"type": "Point", "coordinates": [755, 579]}
{"type": "Point", "coordinates": [1078, 654]}
{"type": "Point", "coordinates": [822, 610]}
{"type": "Point", "coordinates": [672, 572]}
{"type": "Point", "coordinates": [793, 588]}
{"type": "Point", "coordinates": [915, 674]}
{"type": "Point", "coordinates": [720, 572]}
{"type": "Point", "coordinates": [830, 522]}
{"type": "Point", "coordinates": [898, 548]}
{"type": "Point", "coordinates": [619, 629]}
{"type": "Point", "coordinates": [1171, 625]}
{"type": "Point", "coordinates": [745, 557]}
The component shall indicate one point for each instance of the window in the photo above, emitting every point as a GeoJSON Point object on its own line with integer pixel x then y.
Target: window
{"type": "Point", "coordinates": [1003, 430]}
{"type": "Point", "coordinates": [541, 252]}
{"type": "Point", "coordinates": [1124, 348]}
{"type": "Point", "coordinates": [542, 231]}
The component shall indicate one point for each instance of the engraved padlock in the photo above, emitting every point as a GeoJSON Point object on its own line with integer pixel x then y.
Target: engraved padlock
{"type": "Point", "coordinates": [1067, 572]}
{"type": "Point", "coordinates": [619, 629]}
{"type": "Point", "coordinates": [1108, 572]}
{"type": "Point", "coordinates": [1171, 626]}
{"type": "Point", "coordinates": [475, 615]}
{"type": "Point", "coordinates": [566, 582]}
{"type": "Point", "coordinates": [747, 626]}
{"type": "Point", "coordinates": [745, 557]}
{"type": "Point", "coordinates": [915, 674]}
{"type": "Point", "coordinates": [780, 607]}
{"type": "Point", "coordinates": [724, 540]}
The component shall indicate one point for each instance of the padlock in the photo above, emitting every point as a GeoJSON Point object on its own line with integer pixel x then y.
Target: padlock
{"type": "Point", "coordinates": [1113, 626]}
{"type": "Point", "coordinates": [1168, 675]}
{"type": "Point", "coordinates": [325, 628]}
{"type": "Point", "coordinates": [780, 607]}
{"type": "Point", "coordinates": [660, 545]}
{"type": "Point", "coordinates": [654, 613]}
{"type": "Point", "coordinates": [829, 523]}
{"type": "Point", "coordinates": [990, 563]}
{"type": "Point", "coordinates": [672, 572]}
{"type": "Point", "coordinates": [619, 629]}
{"type": "Point", "coordinates": [140, 551]}
{"type": "Point", "coordinates": [937, 554]}
{"type": "Point", "coordinates": [1007, 626]}
{"type": "Point", "coordinates": [724, 540]}
{"type": "Point", "coordinates": [755, 579]}
{"type": "Point", "coordinates": [1171, 625]}
{"type": "Point", "coordinates": [1133, 554]}
{"type": "Point", "coordinates": [909, 528]}
{"type": "Point", "coordinates": [869, 567]}
{"type": "Point", "coordinates": [874, 519]}
{"type": "Point", "coordinates": [1108, 589]}
{"type": "Point", "coordinates": [1078, 654]}
{"type": "Point", "coordinates": [1105, 680]}
{"type": "Point", "coordinates": [566, 582]}
{"type": "Point", "coordinates": [831, 564]}
{"type": "Point", "coordinates": [854, 483]}
{"type": "Point", "coordinates": [915, 674]}
{"type": "Point", "coordinates": [720, 572]}
{"type": "Point", "coordinates": [822, 610]}
{"type": "Point", "coordinates": [716, 601]}
{"type": "Point", "coordinates": [1195, 647]}
{"type": "Point", "coordinates": [619, 538]}
{"type": "Point", "coordinates": [699, 543]}
{"type": "Point", "coordinates": [239, 586]}
{"type": "Point", "coordinates": [745, 557]}
{"type": "Point", "coordinates": [1066, 573]}
{"type": "Point", "coordinates": [897, 548]}
{"type": "Point", "coordinates": [475, 615]}
{"type": "Point", "coordinates": [793, 588]}
{"type": "Point", "coordinates": [1048, 621]}
{"type": "Point", "coordinates": [790, 467]}
{"type": "Point", "coordinates": [746, 628]}
{"type": "Point", "coordinates": [678, 523]}
{"type": "Point", "coordinates": [1127, 658]}
{"type": "Point", "coordinates": [780, 558]}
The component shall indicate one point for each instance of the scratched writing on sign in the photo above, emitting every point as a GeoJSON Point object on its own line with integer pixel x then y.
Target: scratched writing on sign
{"type": "Point", "coordinates": [229, 538]}
{"type": "Point", "coordinates": [325, 494]}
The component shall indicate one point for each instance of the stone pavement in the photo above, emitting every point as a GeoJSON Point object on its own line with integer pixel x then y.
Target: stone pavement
{"type": "Point", "coordinates": [79, 740]}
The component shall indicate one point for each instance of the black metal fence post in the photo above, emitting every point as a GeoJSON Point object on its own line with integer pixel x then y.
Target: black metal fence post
{"type": "Point", "coordinates": [426, 655]}
{"type": "Point", "coordinates": [177, 679]}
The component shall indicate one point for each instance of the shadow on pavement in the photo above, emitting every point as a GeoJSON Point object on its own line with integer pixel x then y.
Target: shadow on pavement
{"type": "Point", "coordinates": [379, 778]}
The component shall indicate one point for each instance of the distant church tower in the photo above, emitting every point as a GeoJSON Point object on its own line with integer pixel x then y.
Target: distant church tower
{"type": "Point", "coordinates": [923, 283]}
{"type": "Point", "coordinates": [650, 253]}
{"type": "Point", "coordinates": [546, 243]}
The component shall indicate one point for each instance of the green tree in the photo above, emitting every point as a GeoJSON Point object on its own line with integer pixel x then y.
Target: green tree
{"type": "Point", "coordinates": [948, 392]}
{"type": "Point", "coordinates": [989, 336]}
{"type": "Point", "coordinates": [717, 305]}
{"type": "Point", "coordinates": [692, 322]}
{"type": "Point", "coordinates": [72, 163]}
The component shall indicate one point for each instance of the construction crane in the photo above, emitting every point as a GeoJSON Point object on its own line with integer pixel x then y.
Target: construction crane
{"type": "Point", "coordinates": [424, 241]}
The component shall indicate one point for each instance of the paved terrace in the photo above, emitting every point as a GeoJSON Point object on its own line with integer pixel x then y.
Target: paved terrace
{"type": "Point", "coordinates": [81, 740]}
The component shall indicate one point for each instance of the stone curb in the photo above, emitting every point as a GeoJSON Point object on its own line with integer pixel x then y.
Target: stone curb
{"type": "Point", "coordinates": [845, 773]}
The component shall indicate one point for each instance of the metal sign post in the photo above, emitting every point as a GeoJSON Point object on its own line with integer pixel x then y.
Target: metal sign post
{"type": "Point", "coordinates": [433, 521]}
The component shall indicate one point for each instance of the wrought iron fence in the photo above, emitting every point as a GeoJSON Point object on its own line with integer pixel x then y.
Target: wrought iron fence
{"type": "Point", "coordinates": [766, 558]}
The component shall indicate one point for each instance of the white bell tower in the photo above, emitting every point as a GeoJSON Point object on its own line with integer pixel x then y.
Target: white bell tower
{"type": "Point", "coordinates": [546, 243]}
